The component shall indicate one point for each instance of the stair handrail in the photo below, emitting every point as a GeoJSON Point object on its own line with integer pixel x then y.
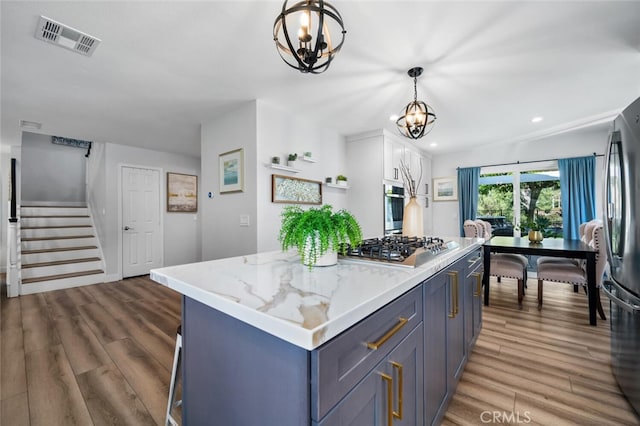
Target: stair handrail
{"type": "Point", "coordinates": [13, 271]}
{"type": "Point", "coordinates": [12, 195]}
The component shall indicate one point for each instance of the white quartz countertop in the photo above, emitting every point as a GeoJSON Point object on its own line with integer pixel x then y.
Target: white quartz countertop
{"type": "Point", "coordinates": [275, 293]}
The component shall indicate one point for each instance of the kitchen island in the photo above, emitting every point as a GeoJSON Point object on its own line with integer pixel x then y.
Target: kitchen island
{"type": "Point", "coordinates": [268, 341]}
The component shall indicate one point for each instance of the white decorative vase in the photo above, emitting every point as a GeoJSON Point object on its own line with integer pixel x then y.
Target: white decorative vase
{"type": "Point", "coordinates": [342, 182]}
{"type": "Point", "coordinates": [291, 163]}
{"type": "Point", "coordinates": [412, 224]}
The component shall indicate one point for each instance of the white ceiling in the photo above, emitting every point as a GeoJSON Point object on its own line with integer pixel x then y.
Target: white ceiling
{"type": "Point", "coordinates": [162, 68]}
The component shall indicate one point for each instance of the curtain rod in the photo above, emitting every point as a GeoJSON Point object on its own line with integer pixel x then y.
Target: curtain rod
{"type": "Point", "coordinates": [527, 162]}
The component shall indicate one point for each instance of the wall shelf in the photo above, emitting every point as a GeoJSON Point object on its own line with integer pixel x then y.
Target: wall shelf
{"type": "Point", "coordinates": [335, 185]}
{"type": "Point", "coordinates": [309, 159]}
{"type": "Point", "coordinates": [285, 168]}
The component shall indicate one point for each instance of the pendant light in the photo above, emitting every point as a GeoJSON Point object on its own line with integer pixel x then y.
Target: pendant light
{"type": "Point", "coordinates": [315, 22]}
{"type": "Point", "coordinates": [417, 118]}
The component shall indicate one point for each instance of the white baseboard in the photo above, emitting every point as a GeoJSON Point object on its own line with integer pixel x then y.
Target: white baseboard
{"type": "Point", "coordinates": [112, 277]}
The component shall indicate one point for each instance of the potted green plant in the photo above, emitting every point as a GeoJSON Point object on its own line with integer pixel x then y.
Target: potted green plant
{"type": "Point", "coordinates": [291, 160]}
{"type": "Point", "coordinates": [535, 227]}
{"type": "Point", "coordinates": [341, 180]}
{"type": "Point", "coordinates": [316, 232]}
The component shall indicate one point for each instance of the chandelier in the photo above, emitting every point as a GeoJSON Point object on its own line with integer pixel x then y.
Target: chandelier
{"type": "Point", "coordinates": [417, 118]}
{"type": "Point", "coordinates": [314, 49]}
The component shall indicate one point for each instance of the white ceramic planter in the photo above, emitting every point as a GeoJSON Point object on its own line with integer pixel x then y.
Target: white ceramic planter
{"type": "Point", "coordinates": [328, 259]}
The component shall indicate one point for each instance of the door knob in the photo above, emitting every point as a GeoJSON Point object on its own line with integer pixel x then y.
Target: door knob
{"type": "Point", "coordinates": [126, 228]}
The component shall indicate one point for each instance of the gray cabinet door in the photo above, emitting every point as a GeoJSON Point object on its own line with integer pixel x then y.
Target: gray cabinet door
{"type": "Point", "coordinates": [473, 299]}
{"type": "Point", "coordinates": [391, 394]}
{"type": "Point", "coordinates": [437, 307]}
{"type": "Point", "coordinates": [456, 344]}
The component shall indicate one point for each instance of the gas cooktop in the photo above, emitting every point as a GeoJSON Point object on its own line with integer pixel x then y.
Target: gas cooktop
{"type": "Point", "coordinates": [400, 250]}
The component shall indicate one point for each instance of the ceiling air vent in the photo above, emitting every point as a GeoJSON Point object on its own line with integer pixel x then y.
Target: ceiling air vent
{"type": "Point", "coordinates": [64, 36]}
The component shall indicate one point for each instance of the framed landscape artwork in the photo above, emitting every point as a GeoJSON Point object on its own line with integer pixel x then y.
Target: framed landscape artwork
{"type": "Point", "coordinates": [232, 171]}
{"type": "Point", "coordinates": [445, 189]}
{"type": "Point", "coordinates": [182, 193]}
{"type": "Point", "coordinates": [287, 189]}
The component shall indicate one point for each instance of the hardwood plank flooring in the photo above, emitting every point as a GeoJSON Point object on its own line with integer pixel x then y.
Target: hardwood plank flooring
{"type": "Point", "coordinates": [102, 355]}
{"type": "Point", "coordinates": [546, 367]}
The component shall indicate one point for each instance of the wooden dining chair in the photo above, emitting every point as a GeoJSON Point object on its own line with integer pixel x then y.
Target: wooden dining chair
{"type": "Point", "coordinates": [575, 273]}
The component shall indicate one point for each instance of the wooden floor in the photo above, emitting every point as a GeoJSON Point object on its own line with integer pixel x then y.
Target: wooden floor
{"type": "Point", "coordinates": [102, 355]}
{"type": "Point", "coordinates": [545, 367]}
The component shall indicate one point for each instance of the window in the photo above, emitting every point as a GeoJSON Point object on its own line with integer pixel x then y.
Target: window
{"type": "Point", "coordinates": [537, 198]}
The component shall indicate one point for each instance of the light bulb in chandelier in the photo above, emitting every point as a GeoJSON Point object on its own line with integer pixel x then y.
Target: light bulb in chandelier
{"type": "Point", "coordinates": [316, 21]}
{"type": "Point", "coordinates": [418, 118]}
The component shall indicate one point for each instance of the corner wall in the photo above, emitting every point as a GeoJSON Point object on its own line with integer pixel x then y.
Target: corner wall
{"type": "Point", "coordinates": [263, 131]}
{"type": "Point", "coordinates": [280, 132]}
{"type": "Point", "coordinates": [222, 234]}
{"type": "Point", "coordinates": [577, 143]}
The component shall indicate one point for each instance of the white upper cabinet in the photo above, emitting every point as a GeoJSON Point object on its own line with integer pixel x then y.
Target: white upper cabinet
{"type": "Point", "coordinates": [393, 154]}
{"type": "Point", "coordinates": [373, 159]}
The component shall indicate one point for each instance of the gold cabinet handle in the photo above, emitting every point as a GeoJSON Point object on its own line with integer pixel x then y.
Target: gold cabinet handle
{"type": "Point", "coordinates": [455, 281]}
{"type": "Point", "coordinates": [454, 294]}
{"type": "Point", "coordinates": [398, 366]}
{"type": "Point", "coordinates": [474, 260]}
{"type": "Point", "coordinates": [389, 381]}
{"type": "Point", "coordinates": [375, 345]}
{"type": "Point", "coordinates": [478, 291]}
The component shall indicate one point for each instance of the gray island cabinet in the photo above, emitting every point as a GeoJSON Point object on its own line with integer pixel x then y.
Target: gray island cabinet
{"type": "Point", "coordinates": [379, 346]}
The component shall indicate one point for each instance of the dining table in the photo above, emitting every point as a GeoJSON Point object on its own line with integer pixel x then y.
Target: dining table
{"type": "Point", "coordinates": [556, 247]}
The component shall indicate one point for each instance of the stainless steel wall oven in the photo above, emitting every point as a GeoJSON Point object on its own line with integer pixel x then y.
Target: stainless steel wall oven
{"type": "Point", "coordinates": [393, 209]}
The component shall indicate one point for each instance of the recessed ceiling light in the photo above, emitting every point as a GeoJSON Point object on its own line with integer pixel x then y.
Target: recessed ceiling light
{"type": "Point", "coordinates": [433, 144]}
{"type": "Point", "coordinates": [393, 117]}
{"type": "Point", "coordinates": [30, 124]}
{"type": "Point", "coordinates": [537, 119]}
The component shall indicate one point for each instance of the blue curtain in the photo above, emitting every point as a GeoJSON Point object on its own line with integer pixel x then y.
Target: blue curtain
{"type": "Point", "coordinates": [577, 185]}
{"type": "Point", "coordinates": [468, 194]}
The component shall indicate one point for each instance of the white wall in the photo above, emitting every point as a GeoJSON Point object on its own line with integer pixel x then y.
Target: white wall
{"type": "Point", "coordinates": [571, 144]}
{"type": "Point", "coordinates": [280, 132]}
{"type": "Point", "coordinates": [51, 172]}
{"type": "Point", "coordinates": [181, 230]}
{"type": "Point", "coordinates": [222, 235]}
{"type": "Point", "coordinates": [263, 131]}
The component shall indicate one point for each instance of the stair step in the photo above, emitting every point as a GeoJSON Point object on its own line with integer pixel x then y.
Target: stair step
{"type": "Point", "coordinates": [61, 276]}
{"type": "Point", "coordinates": [52, 216]}
{"type": "Point", "coordinates": [55, 226]}
{"type": "Point", "coordinates": [60, 262]}
{"type": "Point", "coordinates": [55, 221]}
{"type": "Point", "coordinates": [65, 237]}
{"type": "Point", "coordinates": [58, 249]}
{"type": "Point", "coordinates": [56, 206]}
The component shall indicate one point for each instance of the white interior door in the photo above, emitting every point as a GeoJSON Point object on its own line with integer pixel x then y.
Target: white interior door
{"type": "Point", "coordinates": [141, 232]}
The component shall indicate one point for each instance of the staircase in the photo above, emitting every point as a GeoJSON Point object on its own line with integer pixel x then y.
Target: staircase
{"type": "Point", "coordinates": [59, 248]}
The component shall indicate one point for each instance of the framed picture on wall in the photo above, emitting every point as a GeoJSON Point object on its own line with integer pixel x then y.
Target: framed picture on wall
{"type": "Point", "coordinates": [182, 193]}
{"type": "Point", "coordinates": [287, 189]}
{"type": "Point", "coordinates": [232, 171]}
{"type": "Point", "coordinates": [445, 189]}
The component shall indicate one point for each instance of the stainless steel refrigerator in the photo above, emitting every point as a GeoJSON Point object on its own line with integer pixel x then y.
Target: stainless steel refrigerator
{"type": "Point", "coordinates": [622, 214]}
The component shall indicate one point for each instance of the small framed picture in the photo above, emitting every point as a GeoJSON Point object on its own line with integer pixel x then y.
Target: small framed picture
{"type": "Point", "coordinates": [287, 189]}
{"type": "Point", "coordinates": [182, 193]}
{"type": "Point", "coordinates": [232, 171]}
{"type": "Point", "coordinates": [445, 189]}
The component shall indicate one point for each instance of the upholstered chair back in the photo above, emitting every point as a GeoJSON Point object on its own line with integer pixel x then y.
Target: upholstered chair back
{"type": "Point", "coordinates": [486, 227]}
{"type": "Point", "coordinates": [472, 229]}
{"type": "Point", "coordinates": [598, 243]}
